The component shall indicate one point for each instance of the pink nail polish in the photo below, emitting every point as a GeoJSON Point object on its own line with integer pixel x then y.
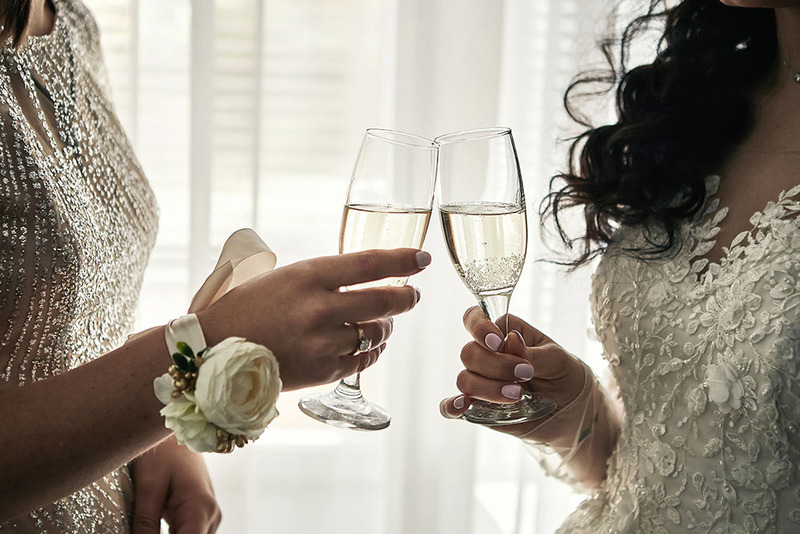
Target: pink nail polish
{"type": "Point", "coordinates": [511, 391]}
{"type": "Point", "coordinates": [493, 341]}
{"type": "Point", "coordinates": [523, 371]}
{"type": "Point", "coordinates": [458, 402]}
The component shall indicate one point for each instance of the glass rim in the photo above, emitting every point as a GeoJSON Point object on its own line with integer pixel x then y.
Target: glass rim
{"type": "Point", "coordinates": [475, 134]}
{"type": "Point", "coordinates": [401, 138]}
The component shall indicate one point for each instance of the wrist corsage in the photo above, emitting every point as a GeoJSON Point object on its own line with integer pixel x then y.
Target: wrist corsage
{"type": "Point", "coordinates": [216, 398]}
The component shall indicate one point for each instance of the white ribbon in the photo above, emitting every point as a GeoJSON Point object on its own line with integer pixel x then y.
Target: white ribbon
{"type": "Point", "coordinates": [244, 256]}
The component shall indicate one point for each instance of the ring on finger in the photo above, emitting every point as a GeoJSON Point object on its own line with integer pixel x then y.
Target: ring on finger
{"type": "Point", "coordinates": [364, 343]}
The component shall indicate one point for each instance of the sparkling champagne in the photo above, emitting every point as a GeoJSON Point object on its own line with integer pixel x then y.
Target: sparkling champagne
{"type": "Point", "coordinates": [369, 226]}
{"type": "Point", "coordinates": [487, 243]}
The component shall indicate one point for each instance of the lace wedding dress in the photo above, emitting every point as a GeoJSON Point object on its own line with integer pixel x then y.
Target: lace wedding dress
{"type": "Point", "coordinates": [77, 223]}
{"type": "Point", "coordinates": [707, 360]}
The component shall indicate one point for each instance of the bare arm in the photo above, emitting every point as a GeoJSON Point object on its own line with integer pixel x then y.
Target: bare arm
{"type": "Point", "coordinates": [60, 434]}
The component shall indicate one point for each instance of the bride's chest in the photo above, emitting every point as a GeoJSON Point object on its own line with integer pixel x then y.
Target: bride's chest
{"type": "Point", "coordinates": [729, 327]}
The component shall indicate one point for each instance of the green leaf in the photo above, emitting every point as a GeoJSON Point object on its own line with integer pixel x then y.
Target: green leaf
{"type": "Point", "coordinates": [181, 361]}
{"type": "Point", "coordinates": [185, 349]}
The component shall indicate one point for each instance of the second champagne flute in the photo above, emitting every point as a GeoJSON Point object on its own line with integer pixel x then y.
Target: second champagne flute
{"type": "Point", "coordinates": [482, 205]}
{"type": "Point", "coordinates": [388, 205]}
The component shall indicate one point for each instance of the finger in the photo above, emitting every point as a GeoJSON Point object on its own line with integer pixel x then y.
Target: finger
{"type": "Point", "coordinates": [548, 359]}
{"type": "Point", "coordinates": [189, 527]}
{"type": "Point", "coordinates": [496, 365]}
{"type": "Point", "coordinates": [350, 365]}
{"type": "Point", "coordinates": [377, 332]}
{"type": "Point", "coordinates": [375, 302]}
{"type": "Point", "coordinates": [197, 515]}
{"type": "Point", "coordinates": [212, 528]}
{"type": "Point", "coordinates": [150, 498]}
{"type": "Point", "coordinates": [193, 526]}
{"type": "Point", "coordinates": [515, 345]}
{"type": "Point", "coordinates": [551, 362]}
{"type": "Point", "coordinates": [359, 267]}
{"type": "Point", "coordinates": [533, 337]}
{"type": "Point", "coordinates": [482, 329]}
{"type": "Point", "coordinates": [480, 387]}
{"type": "Point", "coordinates": [454, 407]}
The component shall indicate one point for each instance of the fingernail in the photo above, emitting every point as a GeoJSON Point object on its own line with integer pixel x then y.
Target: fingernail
{"type": "Point", "coordinates": [423, 259]}
{"type": "Point", "coordinates": [511, 391]}
{"type": "Point", "coordinates": [493, 341]}
{"type": "Point", "coordinates": [523, 371]}
{"type": "Point", "coordinates": [459, 402]}
{"type": "Point", "coordinates": [418, 293]}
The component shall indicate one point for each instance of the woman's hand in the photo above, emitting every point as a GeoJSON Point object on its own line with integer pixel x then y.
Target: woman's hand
{"type": "Point", "coordinates": [171, 482]}
{"type": "Point", "coordinates": [301, 313]}
{"type": "Point", "coordinates": [530, 361]}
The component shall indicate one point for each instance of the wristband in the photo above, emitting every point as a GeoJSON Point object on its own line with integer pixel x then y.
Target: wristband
{"type": "Point", "coordinates": [220, 397]}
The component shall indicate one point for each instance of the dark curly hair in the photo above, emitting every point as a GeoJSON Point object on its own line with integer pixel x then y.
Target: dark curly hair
{"type": "Point", "coordinates": [678, 118]}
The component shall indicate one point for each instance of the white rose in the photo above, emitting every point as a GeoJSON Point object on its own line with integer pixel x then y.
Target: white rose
{"type": "Point", "coordinates": [190, 426]}
{"type": "Point", "coordinates": [237, 386]}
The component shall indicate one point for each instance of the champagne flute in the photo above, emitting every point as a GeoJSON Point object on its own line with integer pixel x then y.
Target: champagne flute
{"type": "Point", "coordinates": [388, 205]}
{"type": "Point", "coordinates": [482, 206]}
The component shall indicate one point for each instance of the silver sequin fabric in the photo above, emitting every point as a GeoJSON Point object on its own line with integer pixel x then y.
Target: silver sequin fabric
{"type": "Point", "coordinates": [77, 223]}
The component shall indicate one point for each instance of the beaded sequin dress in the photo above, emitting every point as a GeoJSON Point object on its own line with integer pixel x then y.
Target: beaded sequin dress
{"type": "Point", "coordinates": [77, 223]}
{"type": "Point", "coordinates": [707, 359]}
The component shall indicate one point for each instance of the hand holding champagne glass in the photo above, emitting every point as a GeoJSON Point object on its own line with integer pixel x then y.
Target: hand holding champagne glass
{"type": "Point", "coordinates": [388, 205]}
{"type": "Point", "coordinates": [482, 206]}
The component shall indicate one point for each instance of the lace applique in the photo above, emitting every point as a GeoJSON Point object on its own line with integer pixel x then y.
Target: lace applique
{"type": "Point", "coordinates": [706, 358]}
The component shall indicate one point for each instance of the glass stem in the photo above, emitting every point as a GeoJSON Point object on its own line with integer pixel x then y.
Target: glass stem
{"type": "Point", "coordinates": [496, 306]}
{"type": "Point", "coordinates": [349, 387]}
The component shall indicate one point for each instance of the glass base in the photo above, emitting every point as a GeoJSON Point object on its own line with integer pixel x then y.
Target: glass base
{"type": "Point", "coordinates": [344, 407]}
{"type": "Point", "coordinates": [528, 408]}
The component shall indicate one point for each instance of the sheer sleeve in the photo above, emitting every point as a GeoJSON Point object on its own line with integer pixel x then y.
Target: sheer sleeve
{"type": "Point", "coordinates": [581, 422]}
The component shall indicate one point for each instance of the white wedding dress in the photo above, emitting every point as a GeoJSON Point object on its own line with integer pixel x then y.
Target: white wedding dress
{"type": "Point", "coordinates": [706, 357]}
{"type": "Point", "coordinates": [77, 224]}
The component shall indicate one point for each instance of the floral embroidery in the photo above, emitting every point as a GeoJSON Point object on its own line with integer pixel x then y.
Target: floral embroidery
{"type": "Point", "coordinates": [724, 387]}
{"type": "Point", "coordinates": [705, 355]}
{"type": "Point", "coordinates": [696, 401]}
{"type": "Point", "coordinates": [729, 313]}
